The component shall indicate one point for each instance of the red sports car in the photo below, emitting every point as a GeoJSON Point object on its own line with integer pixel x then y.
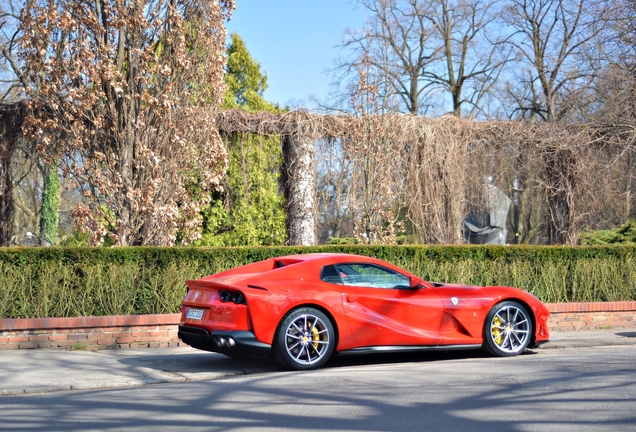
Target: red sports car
{"type": "Point", "coordinates": [301, 309]}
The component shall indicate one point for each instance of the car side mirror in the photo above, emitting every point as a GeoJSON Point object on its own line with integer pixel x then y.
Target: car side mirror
{"type": "Point", "coordinates": [415, 282]}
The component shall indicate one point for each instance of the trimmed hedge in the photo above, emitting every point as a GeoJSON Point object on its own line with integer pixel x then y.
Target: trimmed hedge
{"type": "Point", "coordinates": [62, 282]}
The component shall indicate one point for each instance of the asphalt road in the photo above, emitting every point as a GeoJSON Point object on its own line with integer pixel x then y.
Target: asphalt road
{"type": "Point", "coordinates": [569, 389]}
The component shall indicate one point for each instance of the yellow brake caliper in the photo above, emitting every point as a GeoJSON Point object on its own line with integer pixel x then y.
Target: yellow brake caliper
{"type": "Point", "coordinates": [496, 331]}
{"type": "Point", "coordinates": [316, 336]}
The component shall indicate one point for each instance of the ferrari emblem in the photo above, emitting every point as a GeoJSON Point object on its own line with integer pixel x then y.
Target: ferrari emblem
{"type": "Point", "coordinates": [454, 300]}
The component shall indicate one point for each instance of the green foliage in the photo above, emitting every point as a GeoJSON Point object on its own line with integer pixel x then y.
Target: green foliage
{"type": "Point", "coordinates": [78, 346]}
{"type": "Point", "coordinates": [250, 210]}
{"type": "Point", "coordinates": [625, 234]}
{"type": "Point", "coordinates": [343, 240]}
{"type": "Point", "coordinates": [82, 281]}
{"type": "Point", "coordinates": [50, 204]}
{"type": "Point", "coordinates": [74, 238]}
{"type": "Point", "coordinates": [244, 80]}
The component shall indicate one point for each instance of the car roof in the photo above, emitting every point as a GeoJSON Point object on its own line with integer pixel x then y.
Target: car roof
{"type": "Point", "coordinates": [326, 256]}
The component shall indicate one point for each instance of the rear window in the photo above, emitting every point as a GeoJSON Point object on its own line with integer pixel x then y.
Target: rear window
{"type": "Point", "coordinates": [329, 274]}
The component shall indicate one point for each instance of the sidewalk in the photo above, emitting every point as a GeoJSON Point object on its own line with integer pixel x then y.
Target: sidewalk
{"type": "Point", "coordinates": [44, 370]}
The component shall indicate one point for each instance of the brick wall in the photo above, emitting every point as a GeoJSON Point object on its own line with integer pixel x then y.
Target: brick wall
{"type": "Point", "coordinates": [94, 333]}
{"type": "Point", "coordinates": [592, 316]}
{"type": "Point", "coordinates": [153, 331]}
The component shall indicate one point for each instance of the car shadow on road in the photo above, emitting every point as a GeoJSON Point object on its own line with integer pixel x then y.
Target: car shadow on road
{"type": "Point", "coordinates": [199, 362]}
{"type": "Point", "coordinates": [626, 334]}
{"type": "Point", "coordinates": [343, 360]}
{"type": "Point", "coordinates": [208, 362]}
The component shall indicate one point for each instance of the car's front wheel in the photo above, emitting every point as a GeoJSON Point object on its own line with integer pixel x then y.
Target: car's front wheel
{"type": "Point", "coordinates": [305, 339]}
{"type": "Point", "coordinates": [508, 329]}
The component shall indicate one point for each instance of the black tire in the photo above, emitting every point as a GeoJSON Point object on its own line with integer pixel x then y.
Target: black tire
{"type": "Point", "coordinates": [508, 329]}
{"type": "Point", "coordinates": [305, 339]}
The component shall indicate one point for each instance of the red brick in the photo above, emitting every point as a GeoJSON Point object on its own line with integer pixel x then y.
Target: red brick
{"type": "Point", "coordinates": [93, 336]}
{"type": "Point", "coordinates": [8, 347]}
{"type": "Point", "coordinates": [163, 339]}
{"type": "Point", "coordinates": [28, 345]}
{"type": "Point", "coordinates": [121, 334]}
{"type": "Point", "coordinates": [65, 343]}
{"type": "Point", "coordinates": [50, 344]}
{"type": "Point", "coordinates": [77, 336]}
{"type": "Point", "coordinates": [38, 338]}
{"type": "Point", "coordinates": [123, 340]}
{"type": "Point", "coordinates": [159, 333]}
{"type": "Point", "coordinates": [138, 334]}
{"type": "Point", "coordinates": [15, 339]}
{"type": "Point", "coordinates": [106, 341]}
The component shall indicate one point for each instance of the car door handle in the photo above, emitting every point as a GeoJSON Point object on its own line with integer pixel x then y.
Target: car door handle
{"type": "Point", "coordinates": [350, 299]}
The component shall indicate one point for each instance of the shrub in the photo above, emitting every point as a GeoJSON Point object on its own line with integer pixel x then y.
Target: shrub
{"type": "Point", "coordinates": [625, 235]}
{"type": "Point", "coordinates": [82, 281]}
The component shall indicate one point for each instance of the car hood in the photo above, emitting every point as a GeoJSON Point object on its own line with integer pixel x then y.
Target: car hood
{"type": "Point", "coordinates": [482, 292]}
{"type": "Point", "coordinates": [442, 286]}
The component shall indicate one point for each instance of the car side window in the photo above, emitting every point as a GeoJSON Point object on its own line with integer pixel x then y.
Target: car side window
{"type": "Point", "coordinates": [329, 274]}
{"type": "Point", "coordinates": [371, 275]}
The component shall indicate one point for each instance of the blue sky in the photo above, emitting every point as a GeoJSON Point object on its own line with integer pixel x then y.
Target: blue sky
{"type": "Point", "coordinates": [294, 41]}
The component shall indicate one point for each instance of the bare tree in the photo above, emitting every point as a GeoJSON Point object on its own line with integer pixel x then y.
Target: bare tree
{"type": "Point", "coordinates": [615, 89]}
{"type": "Point", "coordinates": [10, 86]}
{"type": "Point", "coordinates": [397, 42]}
{"type": "Point", "coordinates": [615, 93]}
{"type": "Point", "coordinates": [471, 58]}
{"type": "Point", "coordinates": [622, 19]}
{"type": "Point", "coordinates": [554, 42]}
{"type": "Point", "coordinates": [428, 54]}
{"type": "Point", "coordinates": [333, 185]}
{"type": "Point", "coordinates": [10, 91]}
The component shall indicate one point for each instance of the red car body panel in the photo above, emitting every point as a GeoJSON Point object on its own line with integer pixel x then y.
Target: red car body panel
{"type": "Point", "coordinates": [429, 315]}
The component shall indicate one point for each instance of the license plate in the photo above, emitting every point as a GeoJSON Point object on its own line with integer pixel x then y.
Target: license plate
{"type": "Point", "coordinates": [196, 314]}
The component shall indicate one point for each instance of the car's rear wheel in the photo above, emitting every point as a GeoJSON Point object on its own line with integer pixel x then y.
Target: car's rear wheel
{"type": "Point", "coordinates": [508, 329]}
{"type": "Point", "coordinates": [305, 339]}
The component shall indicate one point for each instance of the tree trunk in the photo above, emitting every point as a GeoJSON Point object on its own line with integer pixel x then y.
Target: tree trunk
{"type": "Point", "coordinates": [300, 184]}
{"type": "Point", "coordinates": [7, 205]}
{"type": "Point", "coordinates": [10, 129]}
{"type": "Point", "coordinates": [560, 184]}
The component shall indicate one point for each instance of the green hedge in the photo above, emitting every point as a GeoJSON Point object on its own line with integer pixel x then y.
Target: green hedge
{"type": "Point", "coordinates": [61, 282]}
